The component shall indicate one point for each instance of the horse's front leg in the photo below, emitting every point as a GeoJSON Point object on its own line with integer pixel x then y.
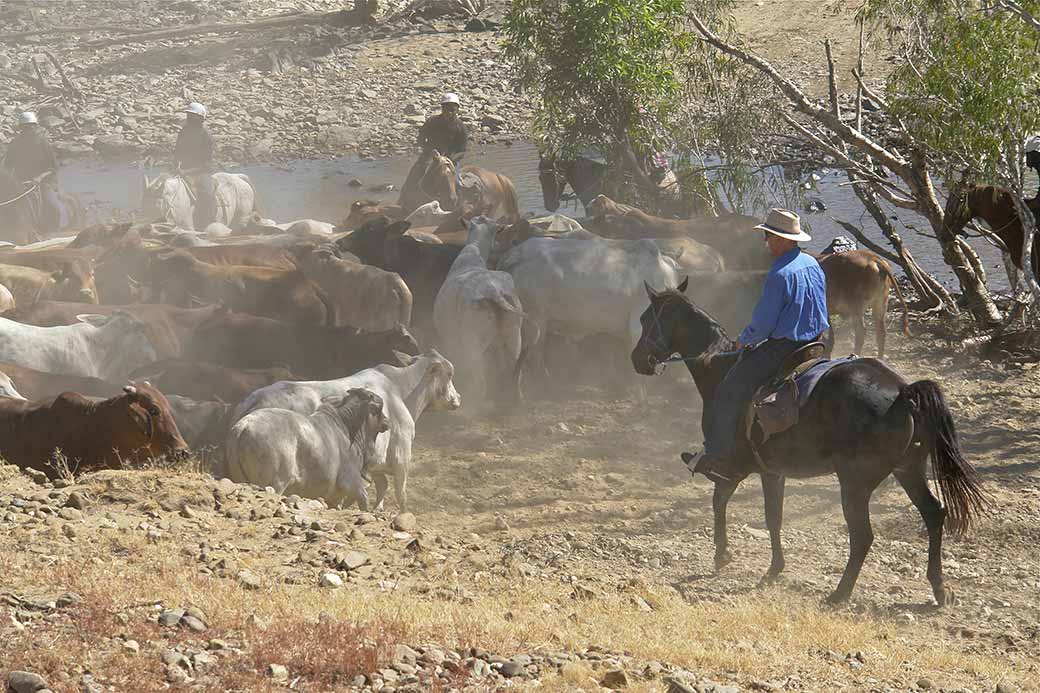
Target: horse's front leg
{"type": "Point", "coordinates": [773, 492]}
{"type": "Point", "coordinates": [723, 492]}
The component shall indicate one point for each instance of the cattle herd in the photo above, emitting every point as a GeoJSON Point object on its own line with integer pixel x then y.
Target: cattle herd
{"type": "Point", "coordinates": [300, 356]}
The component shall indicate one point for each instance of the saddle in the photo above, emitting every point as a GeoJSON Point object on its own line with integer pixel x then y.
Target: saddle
{"type": "Point", "coordinates": [775, 405]}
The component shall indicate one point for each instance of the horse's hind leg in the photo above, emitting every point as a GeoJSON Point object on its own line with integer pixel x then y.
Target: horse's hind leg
{"type": "Point", "coordinates": [913, 480]}
{"type": "Point", "coordinates": [773, 491]}
{"type": "Point", "coordinates": [855, 502]}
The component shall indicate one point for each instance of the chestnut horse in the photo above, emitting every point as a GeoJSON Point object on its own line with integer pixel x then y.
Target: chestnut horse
{"type": "Point", "coordinates": [862, 422]}
{"type": "Point", "coordinates": [996, 207]}
{"type": "Point", "coordinates": [472, 185]}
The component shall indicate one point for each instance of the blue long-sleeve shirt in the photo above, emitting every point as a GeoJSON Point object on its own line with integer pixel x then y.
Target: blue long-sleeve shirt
{"type": "Point", "coordinates": [793, 303]}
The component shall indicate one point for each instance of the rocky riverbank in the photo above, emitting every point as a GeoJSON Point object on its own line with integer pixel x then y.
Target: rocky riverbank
{"type": "Point", "coordinates": [306, 91]}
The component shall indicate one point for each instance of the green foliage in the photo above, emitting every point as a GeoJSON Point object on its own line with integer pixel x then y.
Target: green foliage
{"type": "Point", "coordinates": [596, 64]}
{"type": "Point", "coordinates": [969, 89]}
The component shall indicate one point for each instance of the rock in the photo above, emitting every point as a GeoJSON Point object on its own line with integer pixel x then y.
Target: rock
{"type": "Point", "coordinates": [277, 672]}
{"type": "Point", "coordinates": [193, 623]}
{"type": "Point", "coordinates": [405, 522]}
{"type": "Point", "coordinates": [132, 646]}
{"type": "Point", "coordinates": [171, 617]}
{"type": "Point", "coordinates": [202, 661]}
{"type": "Point", "coordinates": [352, 560]}
{"type": "Point", "coordinates": [70, 514]}
{"type": "Point", "coordinates": [511, 669]}
{"type": "Point", "coordinates": [249, 580]}
{"type": "Point", "coordinates": [115, 147]}
{"type": "Point", "coordinates": [67, 599]}
{"type": "Point", "coordinates": [615, 679]}
{"type": "Point", "coordinates": [187, 512]}
{"type": "Point", "coordinates": [501, 524]}
{"type": "Point", "coordinates": [1006, 688]}
{"type": "Point", "coordinates": [76, 500]}
{"type": "Point", "coordinates": [925, 684]}
{"type": "Point", "coordinates": [37, 476]}
{"type": "Point", "coordinates": [25, 682]}
{"type": "Point", "coordinates": [331, 580]}
{"type": "Point", "coordinates": [493, 122]}
{"type": "Point", "coordinates": [216, 644]}
{"type": "Point", "coordinates": [355, 182]}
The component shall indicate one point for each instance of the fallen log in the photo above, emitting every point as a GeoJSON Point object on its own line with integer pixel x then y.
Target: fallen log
{"type": "Point", "coordinates": [60, 30]}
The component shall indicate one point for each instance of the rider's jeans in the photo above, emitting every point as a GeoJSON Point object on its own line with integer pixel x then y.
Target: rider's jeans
{"type": "Point", "coordinates": [754, 369]}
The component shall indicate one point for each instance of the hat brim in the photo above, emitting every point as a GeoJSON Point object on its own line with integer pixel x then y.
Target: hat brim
{"type": "Point", "coordinates": [801, 236]}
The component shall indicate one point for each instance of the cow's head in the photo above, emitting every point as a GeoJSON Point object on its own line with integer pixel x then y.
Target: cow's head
{"type": "Point", "coordinates": [361, 412]}
{"type": "Point", "coordinates": [400, 341]}
{"type": "Point", "coordinates": [149, 430]}
{"type": "Point", "coordinates": [74, 282]}
{"type": "Point", "coordinates": [438, 378]}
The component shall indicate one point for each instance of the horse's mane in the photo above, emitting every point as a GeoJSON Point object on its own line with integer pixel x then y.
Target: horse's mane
{"type": "Point", "coordinates": [720, 340]}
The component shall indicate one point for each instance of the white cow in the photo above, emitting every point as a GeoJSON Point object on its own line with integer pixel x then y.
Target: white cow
{"type": "Point", "coordinates": [407, 391]}
{"type": "Point", "coordinates": [429, 214]}
{"type": "Point", "coordinates": [325, 454]}
{"type": "Point", "coordinates": [577, 288]}
{"type": "Point", "coordinates": [168, 197]}
{"type": "Point", "coordinates": [478, 318]}
{"type": "Point", "coordinates": [6, 299]}
{"type": "Point", "coordinates": [300, 227]}
{"type": "Point", "coordinates": [7, 388]}
{"type": "Point", "coordinates": [108, 347]}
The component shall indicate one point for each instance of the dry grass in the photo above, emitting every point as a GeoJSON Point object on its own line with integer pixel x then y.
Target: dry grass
{"type": "Point", "coordinates": [329, 637]}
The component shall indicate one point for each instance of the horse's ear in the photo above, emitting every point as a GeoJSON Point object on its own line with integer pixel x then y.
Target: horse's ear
{"type": "Point", "coordinates": [649, 290]}
{"type": "Point", "coordinates": [682, 285]}
{"type": "Point", "coordinates": [436, 154]}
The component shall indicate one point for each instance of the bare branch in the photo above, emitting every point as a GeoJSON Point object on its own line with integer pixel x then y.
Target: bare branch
{"type": "Point", "coordinates": [1017, 9]}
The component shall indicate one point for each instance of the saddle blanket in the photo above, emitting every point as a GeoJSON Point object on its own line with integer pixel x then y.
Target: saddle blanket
{"type": "Point", "coordinates": [808, 380]}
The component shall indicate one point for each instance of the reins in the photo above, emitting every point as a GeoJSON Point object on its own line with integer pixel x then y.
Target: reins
{"type": "Point", "coordinates": [33, 188]}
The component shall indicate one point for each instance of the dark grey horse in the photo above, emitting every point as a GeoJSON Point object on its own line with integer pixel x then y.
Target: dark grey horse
{"type": "Point", "coordinates": [862, 422]}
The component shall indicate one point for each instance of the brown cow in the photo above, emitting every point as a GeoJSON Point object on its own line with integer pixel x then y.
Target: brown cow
{"type": "Point", "coordinates": [732, 235]}
{"type": "Point", "coordinates": [131, 427]}
{"type": "Point", "coordinates": [857, 280]}
{"type": "Point", "coordinates": [132, 256]}
{"type": "Point", "coordinates": [206, 381]}
{"type": "Point", "coordinates": [363, 211]}
{"type": "Point", "coordinates": [35, 385]}
{"type": "Point", "coordinates": [312, 351]}
{"type": "Point", "coordinates": [29, 285]}
{"type": "Point", "coordinates": [76, 265]}
{"type": "Point", "coordinates": [167, 327]}
{"type": "Point", "coordinates": [366, 297]}
{"type": "Point", "coordinates": [279, 294]}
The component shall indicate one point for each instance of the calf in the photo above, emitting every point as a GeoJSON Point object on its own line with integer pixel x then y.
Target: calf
{"type": "Point", "coordinates": [363, 296]}
{"type": "Point", "coordinates": [857, 280]}
{"type": "Point", "coordinates": [424, 381]}
{"type": "Point", "coordinates": [206, 381]}
{"type": "Point", "coordinates": [274, 293]}
{"type": "Point", "coordinates": [319, 455]}
{"type": "Point", "coordinates": [41, 385]}
{"type": "Point", "coordinates": [73, 268]}
{"type": "Point", "coordinates": [247, 341]}
{"type": "Point", "coordinates": [131, 427]}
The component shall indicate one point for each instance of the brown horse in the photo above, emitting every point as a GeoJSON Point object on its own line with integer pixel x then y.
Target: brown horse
{"type": "Point", "coordinates": [996, 207]}
{"type": "Point", "coordinates": [472, 185]}
{"type": "Point", "coordinates": [857, 280]}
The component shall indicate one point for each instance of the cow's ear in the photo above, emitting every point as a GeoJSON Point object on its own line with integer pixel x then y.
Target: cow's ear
{"type": "Point", "coordinates": [94, 319]}
{"type": "Point", "coordinates": [403, 358]}
{"type": "Point", "coordinates": [682, 285]}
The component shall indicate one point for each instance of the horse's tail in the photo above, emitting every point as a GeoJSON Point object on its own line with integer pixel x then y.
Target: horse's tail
{"type": "Point", "coordinates": [511, 203]}
{"type": "Point", "coordinates": [886, 271]}
{"type": "Point", "coordinates": [959, 483]}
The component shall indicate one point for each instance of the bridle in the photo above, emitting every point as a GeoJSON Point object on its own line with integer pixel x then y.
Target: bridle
{"type": "Point", "coordinates": [659, 343]}
{"type": "Point", "coordinates": [452, 173]}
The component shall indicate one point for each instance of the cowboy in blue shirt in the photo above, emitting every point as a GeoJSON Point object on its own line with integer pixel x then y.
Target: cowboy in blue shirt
{"type": "Point", "coordinates": [791, 313]}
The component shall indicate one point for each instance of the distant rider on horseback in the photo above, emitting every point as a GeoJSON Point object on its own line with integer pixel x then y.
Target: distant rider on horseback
{"type": "Point", "coordinates": [193, 157]}
{"type": "Point", "coordinates": [791, 313]}
{"type": "Point", "coordinates": [444, 133]}
{"type": "Point", "coordinates": [30, 159]}
{"type": "Point", "coordinates": [1032, 150]}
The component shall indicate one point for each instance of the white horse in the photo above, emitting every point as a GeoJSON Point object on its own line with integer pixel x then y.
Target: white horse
{"type": "Point", "coordinates": [169, 198]}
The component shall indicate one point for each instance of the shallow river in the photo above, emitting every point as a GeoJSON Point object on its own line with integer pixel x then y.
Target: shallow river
{"type": "Point", "coordinates": [318, 189]}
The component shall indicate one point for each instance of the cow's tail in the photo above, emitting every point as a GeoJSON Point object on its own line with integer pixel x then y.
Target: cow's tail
{"type": "Point", "coordinates": [886, 272]}
{"type": "Point", "coordinates": [510, 203]}
{"type": "Point", "coordinates": [959, 483]}
{"type": "Point", "coordinates": [235, 450]}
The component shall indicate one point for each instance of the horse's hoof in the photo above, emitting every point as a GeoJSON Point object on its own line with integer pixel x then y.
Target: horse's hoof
{"type": "Point", "coordinates": [770, 578]}
{"type": "Point", "coordinates": [836, 598]}
{"type": "Point", "coordinates": [723, 560]}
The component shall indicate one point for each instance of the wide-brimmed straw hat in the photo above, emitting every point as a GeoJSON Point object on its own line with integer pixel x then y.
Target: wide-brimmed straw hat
{"type": "Point", "coordinates": [786, 224]}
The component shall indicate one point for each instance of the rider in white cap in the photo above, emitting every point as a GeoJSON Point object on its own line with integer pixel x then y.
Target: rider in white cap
{"type": "Point", "coordinates": [30, 158]}
{"type": "Point", "coordinates": [193, 155]}
{"type": "Point", "coordinates": [444, 133]}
